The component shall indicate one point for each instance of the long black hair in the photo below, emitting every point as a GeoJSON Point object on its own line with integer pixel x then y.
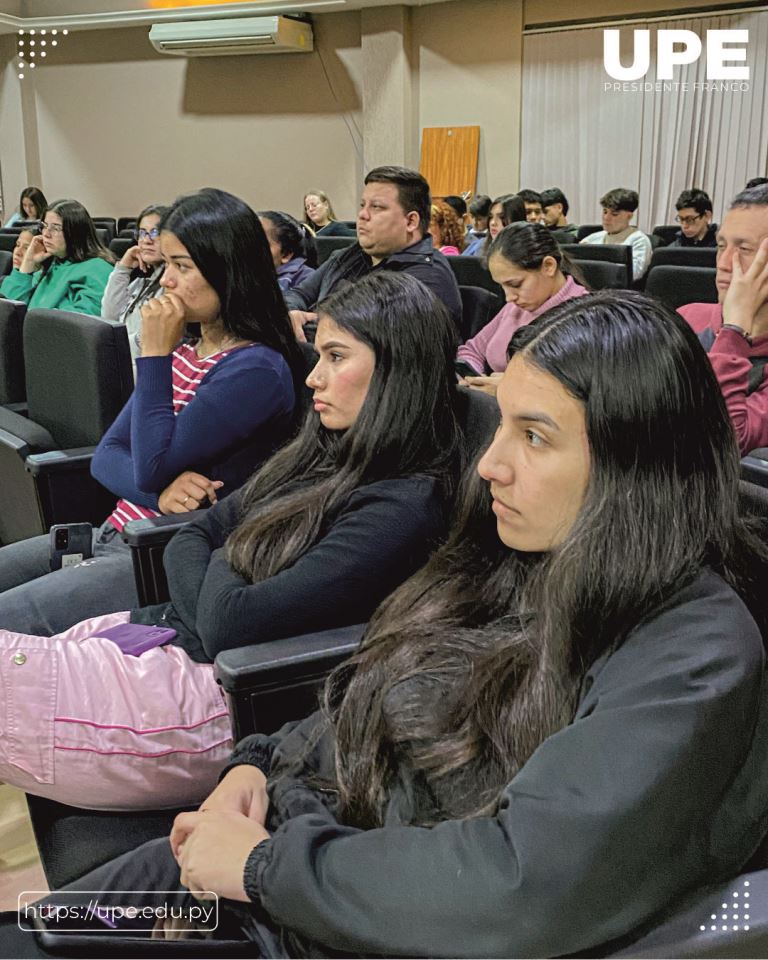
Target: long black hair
{"type": "Point", "coordinates": [36, 195]}
{"type": "Point", "coordinates": [526, 244]}
{"type": "Point", "coordinates": [292, 236]}
{"type": "Point", "coordinates": [407, 425]}
{"type": "Point", "coordinates": [227, 243]}
{"type": "Point", "coordinates": [79, 233]}
{"type": "Point", "coordinates": [478, 658]}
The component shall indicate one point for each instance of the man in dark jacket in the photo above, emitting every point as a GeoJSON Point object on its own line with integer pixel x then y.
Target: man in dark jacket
{"type": "Point", "coordinates": [392, 234]}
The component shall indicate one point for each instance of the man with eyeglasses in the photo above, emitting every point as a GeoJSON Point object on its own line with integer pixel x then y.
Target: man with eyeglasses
{"type": "Point", "coordinates": [694, 214]}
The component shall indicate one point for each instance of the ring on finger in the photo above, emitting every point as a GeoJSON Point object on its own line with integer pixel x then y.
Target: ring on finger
{"type": "Point", "coordinates": [184, 501]}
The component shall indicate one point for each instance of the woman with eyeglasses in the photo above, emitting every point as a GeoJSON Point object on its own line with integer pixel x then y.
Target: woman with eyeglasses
{"type": "Point", "coordinates": [65, 266]}
{"type": "Point", "coordinates": [136, 278]}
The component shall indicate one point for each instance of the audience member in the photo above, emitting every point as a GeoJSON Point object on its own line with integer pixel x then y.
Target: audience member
{"type": "Point", "coordinates": [526, 261]}
{"type": "Point", "coordinates": [136, 278]}
{"type": "Point", "coordinates": [554, 205]}
{"type": "Point", "coordinates": [459, 206]}
{"type": "Point", "coordinates": [734, 331]}
{"type": "Point", "coordinates": [480, 213]}
{"type": "Point", "coordinates": [552, 734]}
{"type": "Point", "coordinates": [506, 209]}
{"type": "Point", "coordinates": [21, 246]}
{"type": "Point", "coordinates": [694, 214]}
{"type": "Point", "coordinates": [203, 416]}
{"type": "Point", "coordinates": [65, 266]}
{"type": "Point", "coordinates": [392, 234]}
{"type": "Point", "coordinates": [533, 209]}
{"type": "Point", "coordinates": [32, 206]}
{"type": "Point", "coordinates": [319, 215]}
{"type": "Point", "coordinates": [445, 228]}
{"type": "Point", "coordinates": [619, 205]}
{"type": "Point", "coordinates": [317, 539]}
{"type": "Point", "coordinates": [292, 247]}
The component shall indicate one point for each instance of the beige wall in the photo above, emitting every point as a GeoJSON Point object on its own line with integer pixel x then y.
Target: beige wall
{"type": "Point", "coordinates": [470, 72]}
{"type": "Point", "coordinates": [119, 125]}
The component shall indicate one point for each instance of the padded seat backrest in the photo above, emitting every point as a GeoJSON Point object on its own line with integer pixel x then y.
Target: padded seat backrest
{"type": "Point", "coordinates": [586, 228]}
{"type": "Point", "coordinates": [8, 241]}
{"type": "Point", "coordinates": [677, 286]}
{"type": "Point", "coordinates": [684, 256]}
{"type": "Point", "coordinates": [327, 245]}
{"type": "Point", "coordinates": [478, 307]}
{"type": "Point", "coordinates": [6, 262]}
{"type": "Point", "coordinates": [310, 356]}
{"type": "Point", "coordinates": [478, 416]}
{"type": "Point", "coordinates": [124, 223]}
{"type": "Point", "coordinates": [119, 245]}
{"type": "Point", "coordinates": [666, 232]}
{"type": "Point", "coordinates": [607, 252]}
{"type": "Point", "coordinates": [79, 374]}
{"type": "Point", "coordinates": [106, 223]}
{"type": "Point", "coordinates": [12, 389]}
{"type": "Point", "coordinates": [473, 272]}
{"type": "Point", "coordinates": [600, 275]}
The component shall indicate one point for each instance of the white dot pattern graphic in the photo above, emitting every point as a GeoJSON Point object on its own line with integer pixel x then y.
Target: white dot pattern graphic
{"type": "Point", "coordinates": [27, 57]}
{"type": "Point", "coordinates": [736, 915]}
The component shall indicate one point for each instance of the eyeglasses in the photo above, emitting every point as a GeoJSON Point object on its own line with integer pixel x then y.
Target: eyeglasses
{"type": "Point", "coordinates": [152, 234]}
{"type": "Point", "coordinates": [689, 221]}
{"type": "Point", "coordinates": [52, 228]}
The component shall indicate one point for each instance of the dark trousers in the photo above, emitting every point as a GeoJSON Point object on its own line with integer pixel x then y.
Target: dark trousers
{"type": "Point", "coordinates": [150, 867]}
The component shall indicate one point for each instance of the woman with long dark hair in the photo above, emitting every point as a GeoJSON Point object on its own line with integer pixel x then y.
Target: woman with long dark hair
{"type": "Point", "coordinates": [206, 412]}
{"type": "Point", "coordinates": [66, 267]}
{"type": "Point", "coordinates": [32, 206]}
{"type": "Point", "coordinates": [557, 728]}
{"type": "Point", "coordinates": [535, 276]}
{"type": "Point", "coordinates": [317, 538]}
{"type": "Point", "coordinates": [136, 278]}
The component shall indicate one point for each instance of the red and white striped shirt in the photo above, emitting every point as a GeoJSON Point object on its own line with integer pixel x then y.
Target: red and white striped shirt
{"type": "Point", "coordinates": [187, 370]}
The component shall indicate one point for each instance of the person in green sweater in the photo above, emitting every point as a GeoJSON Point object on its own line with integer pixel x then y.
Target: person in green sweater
{"type": "Point", "coordinates": [65, 267]}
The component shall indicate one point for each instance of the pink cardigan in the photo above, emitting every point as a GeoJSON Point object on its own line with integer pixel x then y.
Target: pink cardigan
{"type": "Point", "coordinates": [490, 344]}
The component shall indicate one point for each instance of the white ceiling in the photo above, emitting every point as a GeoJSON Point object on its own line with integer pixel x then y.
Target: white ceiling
{"type": "Point", "coordinates": [109, 14]}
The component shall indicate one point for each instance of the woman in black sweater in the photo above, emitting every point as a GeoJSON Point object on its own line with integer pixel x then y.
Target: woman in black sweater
{"type": "Point", "coordinates": [316, 539]}
{"type": "Point", "coordinates": [556, 729]}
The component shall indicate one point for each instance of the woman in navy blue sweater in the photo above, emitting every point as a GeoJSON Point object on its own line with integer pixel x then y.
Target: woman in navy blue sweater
{"type": "Point", "coordinates": [204, 415]}
{"type": "Point", "coordinates": [321, 534]}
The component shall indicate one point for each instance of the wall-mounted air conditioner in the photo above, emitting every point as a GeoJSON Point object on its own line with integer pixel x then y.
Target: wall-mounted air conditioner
{"type": "Point", "coordinates": [216, 38]}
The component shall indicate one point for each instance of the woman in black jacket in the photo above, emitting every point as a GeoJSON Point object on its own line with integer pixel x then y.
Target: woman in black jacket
{"type": "Point", "coordinates": [316, 539]}
{"type": "Point", "coordinates": [555, 729]}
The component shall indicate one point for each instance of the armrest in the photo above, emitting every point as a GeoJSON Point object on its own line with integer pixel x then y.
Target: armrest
{"type": "Point", "coordinates": [148, 540]}
{"type": "Point", "coordinates": [156, 531]}
{"type": "Point", "coordinates": [13, 442]}
{"type": "Point", "coordinates": [755, 467]}
{"type": "Point", "coordinates": [270, 683]}
{"type": "Point", "coordinates": [59, 461]}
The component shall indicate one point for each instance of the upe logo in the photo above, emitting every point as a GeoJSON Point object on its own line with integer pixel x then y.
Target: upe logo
{"type": "Point", "coordinates": [675, 48]}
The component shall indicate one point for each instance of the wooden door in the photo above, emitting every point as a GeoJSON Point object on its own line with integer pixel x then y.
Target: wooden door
{"type": "Point", "coordinates": [449, 159]}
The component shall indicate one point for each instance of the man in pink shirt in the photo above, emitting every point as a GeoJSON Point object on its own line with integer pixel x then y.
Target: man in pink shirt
{"type": "Point", "coordinates": [735, 330]}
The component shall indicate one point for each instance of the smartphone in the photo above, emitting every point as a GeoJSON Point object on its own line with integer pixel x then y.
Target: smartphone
{"type": "Point", "coordinates": [70, 544]}
{"type": "Point", "coordinates": [136, 638]}
{"type": "Point", "coordinates": [464, 369]}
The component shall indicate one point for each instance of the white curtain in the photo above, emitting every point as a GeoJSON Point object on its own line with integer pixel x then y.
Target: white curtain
{"type": "Point", "coordinates": [586, 140]}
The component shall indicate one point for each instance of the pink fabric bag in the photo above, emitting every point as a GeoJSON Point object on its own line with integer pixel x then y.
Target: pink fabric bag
{"type": "Point", "coordinates": [84, 724]}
